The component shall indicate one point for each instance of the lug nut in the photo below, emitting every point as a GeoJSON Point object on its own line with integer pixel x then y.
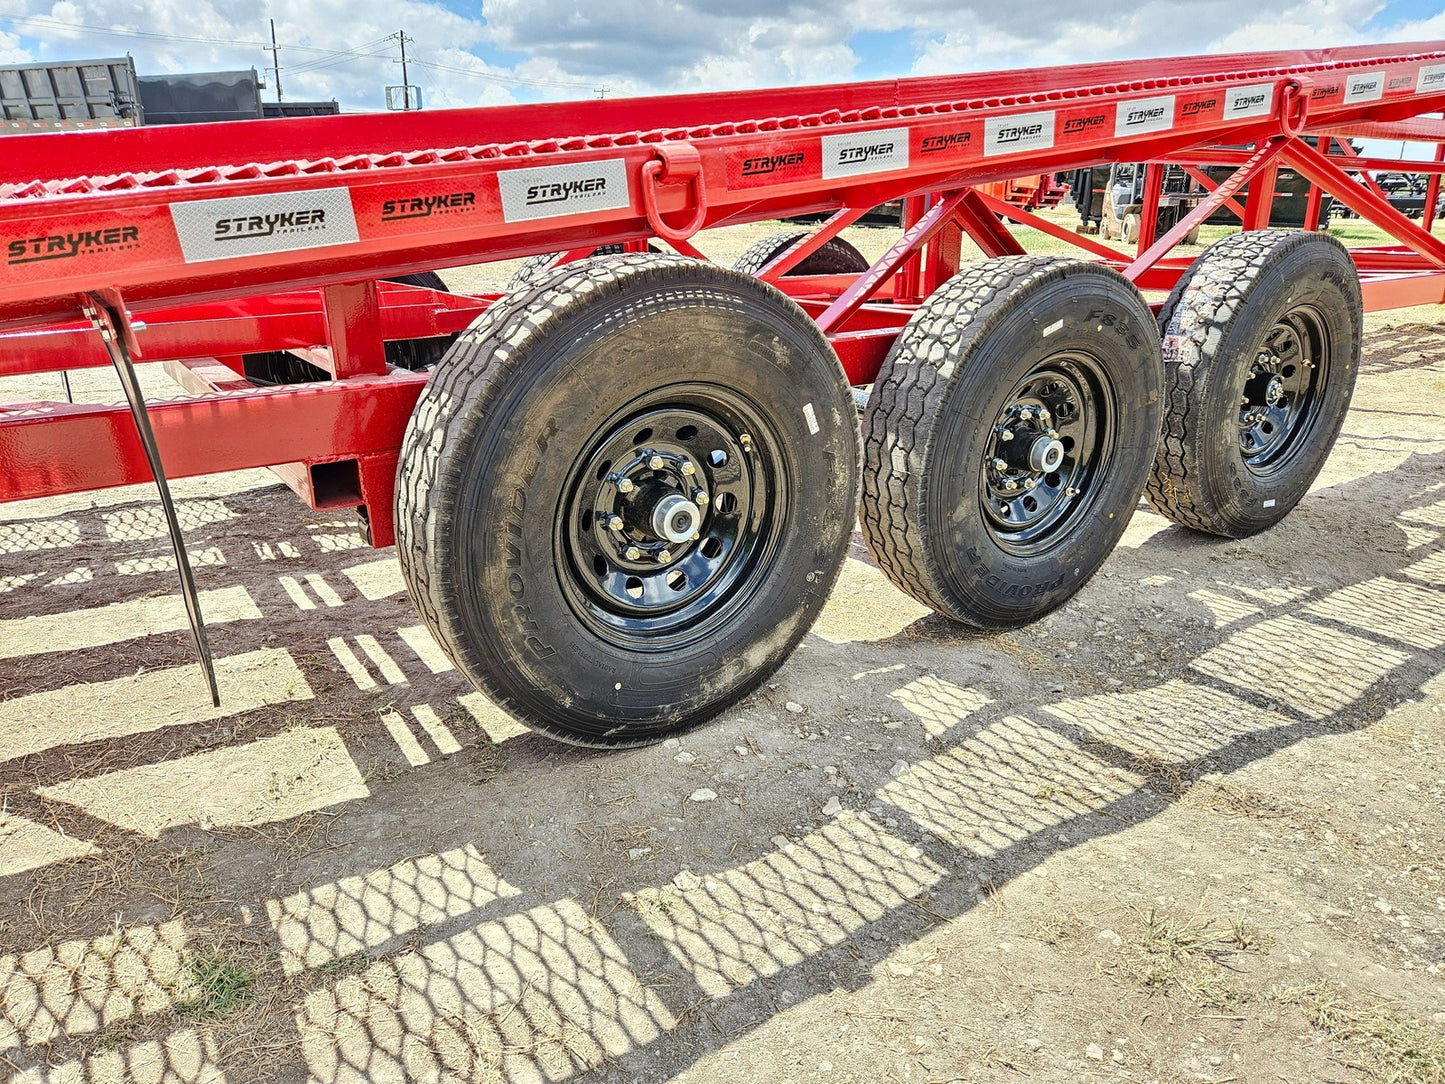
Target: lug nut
{"type": "Point", "coordinates": [1043, 415]}
{"type": "Point", "coordinates": [746, 440]}
{"type": "Point", "coordinates": [1000, 464]}
{"type": "Point", "coordinates": [1010, 485]}
{"type": "Point", "coordinates": [1026, 415]}
{"type": "Point", "coordinates": [1053, 434]}
{"type": "Point", "coordinates": [700, 498]}
{"type": "Point", "coordinates": [695, 536]}
{"type": "Point", "coordinates": [1029, 483]}
{"type": "Point", "coordinates": [632, 553]}
{"type": "Point", "coordinates": [656, 462]}
{"type": "Point", "coordinates": [1007, 434]}
{"type": "Point", "coordinates": [1071, 492]}
{"type": "Point", "coordinates": [614, 523]}
{"type": "Point", "coordinates": [688, 468]}
{"type": "Point", "coordinates": [625, 485]}
{"type": "Point", "coordinates": [664, 556]}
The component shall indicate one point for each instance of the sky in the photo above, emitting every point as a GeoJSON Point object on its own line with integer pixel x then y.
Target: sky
{"type": "Point", "coordinates": [466, 52]}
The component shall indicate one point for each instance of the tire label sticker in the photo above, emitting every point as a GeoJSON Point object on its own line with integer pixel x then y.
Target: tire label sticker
{"type": "Point", "coordinates": [1253, 101]}
{"type": "Point", "coordinates": [1020, 132]}
{"type": "Point", "coordinates": [812, 418]}
{"type": "Point", "coordinates": [1431, 78]}
{"type": "Point", "coordinates": [865, 152]}
{"type": "Point", "coordinates": [553, 191]}
{"type": "Point", "coordinates": [1145, 115]}
{"type": "Point", "coordinates": [1364, 87]}
{"type": "Point", "coordinates": [234, 226]}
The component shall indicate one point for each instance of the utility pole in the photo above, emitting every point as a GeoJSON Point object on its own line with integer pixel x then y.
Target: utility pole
{"type": "Point", "coordinates": [405, 84]}
{"type": "Point", "coordinates": [275, 60]}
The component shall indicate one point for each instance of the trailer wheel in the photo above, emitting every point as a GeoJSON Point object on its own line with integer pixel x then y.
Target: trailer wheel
{"type": "Point", "coordinates": [835, 257]}
{"type": "Point", "coordinates": [1008, 436]}
{"type": "Point", "coordinates": [1261, 344]}
{"type": "Point", "coordinates": [533, 266]}
{"type": "Point", "coordinates": [269, 367]}
{"type": "Point", "coordinates": [625, 494]}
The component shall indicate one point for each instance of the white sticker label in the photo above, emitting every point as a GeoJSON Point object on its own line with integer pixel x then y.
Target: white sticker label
{"type": "Point", "coordinates": [572, 189]}
{"type": "Point", "coordinates": [1432, 78]}
{"type": "Point", "coordinates": [865, 152]}
{"type": "Point", "coordinates": [812, 418]}
{"type": "Point", "coordinates": [234, 226]}
{"type": "Point", "coordinates": [1055, 326]}
{"type": "Point", "coordinates": [1364, 87]}
{"type": "Point", "coordinates": [1022, 132]}
{"type": "Point", "coordinates": [1255, 101]}
{"type": "Point", "coordinates": [1269, 503]}
{"type": "Point", "coordinates": [1145, 115]}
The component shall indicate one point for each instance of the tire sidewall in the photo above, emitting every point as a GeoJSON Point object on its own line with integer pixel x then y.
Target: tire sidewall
{"type": "Point", "coordinates": [581, 373]}
{"type": "Point", "coordinates": [989, 582]}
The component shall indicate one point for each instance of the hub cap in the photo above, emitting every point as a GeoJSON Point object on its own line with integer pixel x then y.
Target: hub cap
{"type": "Point", "coordinates": [672, 517]}
{"type": "Point", "coordinates": [1044, 460]}
{"type": "Point", "coordinates": [1277, 405]}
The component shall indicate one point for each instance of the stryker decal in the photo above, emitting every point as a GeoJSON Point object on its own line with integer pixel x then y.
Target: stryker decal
{"type": "Point", "coordinates": [67, 246]}
{"type": "Point", "coordinates": [395, 210]}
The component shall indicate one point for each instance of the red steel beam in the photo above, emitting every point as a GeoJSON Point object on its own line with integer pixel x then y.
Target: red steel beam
{"type": "Point", "coordinates": [52, 448]}
{"type": "Point", "coordinates": [1315, 167]}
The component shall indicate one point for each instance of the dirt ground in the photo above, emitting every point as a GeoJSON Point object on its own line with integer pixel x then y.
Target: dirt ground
{"type": "Point", "coordinates": [1190, 827]}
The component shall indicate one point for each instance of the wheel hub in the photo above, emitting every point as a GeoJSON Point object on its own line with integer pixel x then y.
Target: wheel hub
{"type": "Point", "coordinates": [675, 506]}
{"type": "Point", "coordinates": [1280, 388]}
{"type": "Point", "coordinates": [1038, 461]}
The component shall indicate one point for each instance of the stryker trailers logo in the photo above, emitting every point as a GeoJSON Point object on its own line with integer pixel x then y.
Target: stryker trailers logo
{"type": "Point", "coordinates": [67, 246]}
{"type": "Point", "coordinates": [550, 191]}
{"type": "Point", "coordinates": [395, 210]}
{"type": "Point", "coordinates": [220, 229]}
{"type": "Point", "coordinates": [1195, 108]}
{"type": "Point", "coordinates": [562, 191]}
{"type": "Point", "coordinates": [1242, 102]}
{"type": "Point", "coordinates": [1432, 77]}
{"type": "Point", "coordinates": [268, 225]}
{"type": "Point", "coordinates": [865, 152]}
{"type": "Point", "coordinates": [946, 141]}
{"type": "Point", "coordinates": [1023, 132]}
{"type": "Point", "coordinates": [1080, 125]}
{"type": "Point", "coordinates": [1364, 88]}
{"type": "Point", "coordinates": [764, 164]}
{"type": "Point", "coordinates": [1145, 115]}
{"type": "Point", "coordinates": [1398, 82]}
{"type": "Point", "coordinates": [1325, 94]}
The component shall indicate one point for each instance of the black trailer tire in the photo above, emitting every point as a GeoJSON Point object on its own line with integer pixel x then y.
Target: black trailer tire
{"type": "Point", "coordinates": [1261, 340]}
{"type": "Point", "coordinates": [533, 266]}
{"type": "Point", "coordinates": [283, 367]}
{"type": "Point", "coordinates": [996, 530]}
{"type": "Point", "coordinates": [662, 373]}
{"type": "Point", "coordinates": [835, 257]}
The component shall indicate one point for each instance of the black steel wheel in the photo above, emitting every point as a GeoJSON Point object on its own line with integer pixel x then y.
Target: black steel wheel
{"type": "Point", "coordinates": [1008, 435]}
{"type": "Point", "coordinates": [1261, 348]}
{"type": "Point", "coordinates": [624, 496]}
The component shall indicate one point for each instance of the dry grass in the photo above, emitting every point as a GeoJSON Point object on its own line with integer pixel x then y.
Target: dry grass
{"type": "Point", "coordinates": [1190, 955]}
{"type": "Point", "coordinates": [1390, 1047]}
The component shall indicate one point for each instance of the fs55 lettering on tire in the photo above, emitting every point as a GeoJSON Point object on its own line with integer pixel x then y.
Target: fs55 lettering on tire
{"type": "Point", "coordinates": [625, 495]}
{"type": "Point", "coordinates": [1261, 340]}
{"type": "Point", "coordinates": [1008, 436]}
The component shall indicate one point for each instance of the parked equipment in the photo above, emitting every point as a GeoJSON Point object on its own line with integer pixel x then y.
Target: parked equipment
{"type": "Point", "coordinates": [621, 497]}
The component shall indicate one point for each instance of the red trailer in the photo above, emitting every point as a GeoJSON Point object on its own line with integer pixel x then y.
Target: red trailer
{"type": "Point", "coordinates": [621, 492]}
